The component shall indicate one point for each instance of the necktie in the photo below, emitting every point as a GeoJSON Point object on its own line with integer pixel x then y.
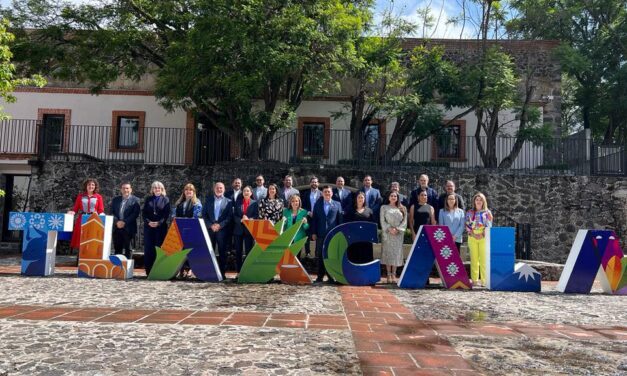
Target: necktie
{"type": "Point", "coordinates": [121, 215]}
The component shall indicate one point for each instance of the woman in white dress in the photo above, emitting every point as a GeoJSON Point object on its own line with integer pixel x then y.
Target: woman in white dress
{"type": "Point", "coordinates": [393, 223]}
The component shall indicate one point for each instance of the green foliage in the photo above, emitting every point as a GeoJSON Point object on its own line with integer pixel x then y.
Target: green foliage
{"type": "Point", "coordinates": [215, 57]}
{"type": "Point", "coordinates": [593, 35]}
{"type": "Point", "coordinates": [8, 79]}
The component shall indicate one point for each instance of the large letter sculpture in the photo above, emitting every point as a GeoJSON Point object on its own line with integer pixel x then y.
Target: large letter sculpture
{"type": "Point", "coordinates": [94, 256]}
{"type": "Point", "coordinates": [594, 254]}
{"type": "Point", "coordinates": [434, 243]}
{"type": "Point", "coordinates": [40, 239]}
{"type": "Point", "coordinates": [336, 260]}
{"type": "Point", "coordinates": [273, 251]}
{"type": "Point", "coordinates": [502, 274]}
{"type": "Point", "coordinates": [186, 238]}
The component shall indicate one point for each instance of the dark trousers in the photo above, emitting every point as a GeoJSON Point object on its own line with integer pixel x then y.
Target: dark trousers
{"type": "Point", "coordinates": [122, 242]}
{"type": "Point", "coordinates": [221, 240]}
{"type": "Point", "coordinates": [153, 237]}
{"type": "Point", "coordinates": [321, 269]}
{"type": "Point", "coordinates": [243, 245]}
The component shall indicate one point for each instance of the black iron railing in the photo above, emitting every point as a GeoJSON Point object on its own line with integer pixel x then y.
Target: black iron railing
{"type": "Point", "coordinates": [178, 146]}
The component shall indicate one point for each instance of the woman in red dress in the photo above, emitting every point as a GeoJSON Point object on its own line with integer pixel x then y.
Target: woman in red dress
{"type": "Point", "coordinates": [87, 202]}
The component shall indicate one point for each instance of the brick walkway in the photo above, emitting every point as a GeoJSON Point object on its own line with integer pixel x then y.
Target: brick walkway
{"type": "Point", "coordinates": [388, 338]}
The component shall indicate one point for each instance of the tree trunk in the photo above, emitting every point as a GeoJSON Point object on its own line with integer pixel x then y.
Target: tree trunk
{"type": "Point", "coordinates": [255, 139]}
{"type": "Point", "coordinates": [508, 161]}
{"type": "Point", "coordinates": [402, 129]}
{"type": "Point", "coordinates": [266, 143]}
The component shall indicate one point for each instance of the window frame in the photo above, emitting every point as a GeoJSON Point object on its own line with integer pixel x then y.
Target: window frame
{"type": "Point", "coordinates": [300, 131]}
{"type": "Point", "coordinates": [115, 131]}
{"type": "Point", "coordinates": [462, 143]}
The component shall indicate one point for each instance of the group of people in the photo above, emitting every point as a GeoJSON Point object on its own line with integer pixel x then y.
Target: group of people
{"type": "Point", "coordinates": [318, 209]}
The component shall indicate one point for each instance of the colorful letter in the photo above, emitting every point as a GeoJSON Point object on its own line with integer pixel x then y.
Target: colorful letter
{"type": "Point", "coordinates": [502, 274]}
{"type": "Point", "coordinates": [39, 245]}
{"type": "Point", "coordinates": [595, 253]}
{"type": "Point", "coordinates": [272, 253]}
{"type": "Point", "coordinates": [94, 256]}
{"type": "Point", "coordinates": [336, 260]}
{"type": "Point", "coordinates": [187, 238]}
{"type": "Point", "coordinates": [434, 243]}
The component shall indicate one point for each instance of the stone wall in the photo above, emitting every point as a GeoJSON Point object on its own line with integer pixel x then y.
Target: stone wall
{"type": "Point", "coordinates": [556, 206]}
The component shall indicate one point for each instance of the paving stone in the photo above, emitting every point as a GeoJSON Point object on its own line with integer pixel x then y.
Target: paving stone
{"type": "Point", "coordinates": [181, 295]}
{"type": "Point", "coordinates": [166, 349]}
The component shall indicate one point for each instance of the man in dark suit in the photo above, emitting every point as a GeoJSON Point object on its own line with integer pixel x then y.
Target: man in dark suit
{"type": "Point", "coordinates": [309, 197]}
{"type": "Point", "coordinates": [236, 190]}
{"type": "Point", "coordinates": [373, 196]}
{"type": "Point", "coordinates": [432, 195]}
{"type": "Point", "coordinates": [288, 190]}
{"type": "Point", "coordinates": [327, 214]}
{"type": "Point", "coordinates": [125, 210]}
{"type": "Point", "coordinates": [342, 195]}
{"type": "Point", "coordinates": [218, 215]}
{"type": "Point", "coordinates": [450, 190]}
{"type": "Point", "coordinates": [396, 187]}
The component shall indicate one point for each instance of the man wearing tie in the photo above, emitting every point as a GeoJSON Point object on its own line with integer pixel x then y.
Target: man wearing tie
{"type": "Point", "coordinates": [288, 190]}
{"type": "Point", "coordinates": [218, 215]}
{"type": "Point", "coordinates": [236, 190]}
{"type": "Point", "coordinates": [259, 192]}
{"type": "Point", "coordinates": [125, 210]}
{"type": "Point", "coordinates": [309, 197]}
{"type": "Point", "coordinates": [342, 195]}
{"type": "Point", "coordinates": [327, 214]}
{"type": "Point", "coordinates": [373, 196]}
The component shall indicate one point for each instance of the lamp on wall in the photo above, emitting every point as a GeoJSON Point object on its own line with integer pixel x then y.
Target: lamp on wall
{"type": "Point", "coordinates": [200, 126]}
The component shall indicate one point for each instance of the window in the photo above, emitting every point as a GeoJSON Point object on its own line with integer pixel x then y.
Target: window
{"type": "Point", "coordinates": [313, 137]}
{"type": "Point", "coordinates": [449, 142]}
{"type": "Point", "coordinates": [56, 129]}
{"type": "Point", "coordinates": [374, 140]}
{"type": "Point", "coordinates": [127, 131]}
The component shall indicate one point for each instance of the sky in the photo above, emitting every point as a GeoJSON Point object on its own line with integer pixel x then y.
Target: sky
{"type": "Point", "coordinates": [442, 11]}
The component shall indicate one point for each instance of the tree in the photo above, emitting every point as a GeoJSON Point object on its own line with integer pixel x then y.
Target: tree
{"type": "Point", "coordinates": [245, 65]}
{"type": "Point", "coordinates": [8, 79]}
{"type": "Point", "coordinates": [594, 45]}
{"type": "Point", "coordinates": [371, 79]}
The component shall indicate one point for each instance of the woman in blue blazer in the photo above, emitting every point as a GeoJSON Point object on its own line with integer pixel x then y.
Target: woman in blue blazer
{"type": "Point", "coordinates": [245, 208]}
{"type": "Point", "coordinates": [155, 213]}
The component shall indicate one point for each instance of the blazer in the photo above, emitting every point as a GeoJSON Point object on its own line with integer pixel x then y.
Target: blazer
{"type": "Point", "coordinates": [373, 200]}
{"type": "Point", "coordinates": [131, 212]}
{"type": "Point", "coordinates": [230, 193]}
{"type": "Point", "coordinates": [304, 197]}
{"type": "Point", "coordinates": [156, 210]}
{"type": "Point", "coordinates": [432, 198]}
{"type": "Point", "coordinates": [322, 223]}
{"type": "Point", "coordinates": [252, 212]}
{"type": "Point", "coordinates": [347, 198]}
{"type": "Point", "coordinates": [226, 212]}
{"type": "Point", "coordinates": [259, 193]}
{"type": "Point", "coordinates": [290, 192]}
{"type": "Point", "coordinates": [302, 213]}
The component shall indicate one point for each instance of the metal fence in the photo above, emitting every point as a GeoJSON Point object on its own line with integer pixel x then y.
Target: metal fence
{"type": "Point", "coordinates": [178, 146]}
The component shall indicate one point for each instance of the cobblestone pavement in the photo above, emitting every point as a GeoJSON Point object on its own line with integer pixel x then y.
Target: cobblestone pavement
{"type": "Point", "coordinates": [549, 306]}
{"type": "Point", "coordinates": [66, 289]}
{"type": "Point", "coordinates": [68, 325]}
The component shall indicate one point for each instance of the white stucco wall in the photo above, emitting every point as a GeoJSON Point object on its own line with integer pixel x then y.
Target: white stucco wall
{"type": "Point", "coordinates": [87, 109]}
